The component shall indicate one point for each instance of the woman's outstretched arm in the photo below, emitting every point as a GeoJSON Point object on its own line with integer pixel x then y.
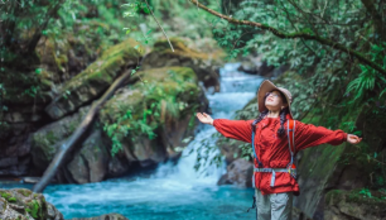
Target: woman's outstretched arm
{"type": "Point", "coordinates": [236, 129]}
{"type": "Point", "coordinates": [309, 135]}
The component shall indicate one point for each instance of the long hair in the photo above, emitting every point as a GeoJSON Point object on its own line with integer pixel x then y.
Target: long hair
{"type": "Point", "coordinates": [282, 114]}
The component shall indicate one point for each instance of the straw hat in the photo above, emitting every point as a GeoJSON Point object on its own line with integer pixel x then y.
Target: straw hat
{"type": "Point", "coordinates": [268, 86]}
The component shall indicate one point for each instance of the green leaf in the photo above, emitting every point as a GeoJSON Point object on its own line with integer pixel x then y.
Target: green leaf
{"type": "Point", "coordinates": [146, 10]}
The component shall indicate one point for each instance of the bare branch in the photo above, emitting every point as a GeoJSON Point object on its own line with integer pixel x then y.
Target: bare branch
{"type": "Point", "coordinates": [147, 4]}
{"type": "Point", "coordinates": [307, 35]}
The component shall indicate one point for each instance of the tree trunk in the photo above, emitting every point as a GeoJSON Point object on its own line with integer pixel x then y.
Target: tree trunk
{"type": "Point", "coordinates": [71, 142]}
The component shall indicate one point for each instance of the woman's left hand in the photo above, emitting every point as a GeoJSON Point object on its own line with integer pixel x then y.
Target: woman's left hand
{"type": "Point", "coordinates": [353, 139]}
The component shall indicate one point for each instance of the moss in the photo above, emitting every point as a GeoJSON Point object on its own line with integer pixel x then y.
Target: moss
{"type": "Point", "coordinates": [51, 137]}
{"type": "Point", "coordinates": [33, 209]}
{"type": "Point", "coordinates": [12, 199]}
{"type": "Point", "coordinates": [181, 49]}
{"type": "Point", "coordinates": [5, 194]}
{"type": "Point", "coordinates": [170, 93]}
{"type": "Point", "coordinates": [24, 192]}
{"type": "Point", "coordinates": [111, 60]}
{"type": "Point", "coordinates": [72, 126]}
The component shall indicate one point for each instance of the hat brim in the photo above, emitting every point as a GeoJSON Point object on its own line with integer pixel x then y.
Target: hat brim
{"type": "Point", "coordinates": [268, 86]}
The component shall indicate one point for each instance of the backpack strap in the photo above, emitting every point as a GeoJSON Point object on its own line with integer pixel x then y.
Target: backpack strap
{"type": "Point", "coordinates": [291, 141]}
{"type": "Point", "coordinates": [253, 144]}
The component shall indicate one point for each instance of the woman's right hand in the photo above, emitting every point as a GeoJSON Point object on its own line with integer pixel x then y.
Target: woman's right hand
{"type": "Point", "coordinates": [204, 118]}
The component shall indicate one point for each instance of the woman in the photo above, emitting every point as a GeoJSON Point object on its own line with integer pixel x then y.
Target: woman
{"type": "Point", "coordinates": [274, 190]}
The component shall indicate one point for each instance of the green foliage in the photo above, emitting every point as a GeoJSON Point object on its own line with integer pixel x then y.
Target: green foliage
{"type": "Point", "coordinates": [5, 195]}
{"type": "Point", "coordinates": [367, 81]}
{"type": "Point", "coordinates": [157, 104]}
{"type": "Point", "coordinates": [33, 209]}
{"type": "Point", "coordinates": [365, 192]}
{"type": "Point", "coordinates": [329, 87]}
{"type": "Point", "coordinates": [12, 199]}
{"type": "Point", "coordinates": [336, 22]}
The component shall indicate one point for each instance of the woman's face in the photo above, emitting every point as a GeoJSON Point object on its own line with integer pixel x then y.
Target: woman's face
{"type": "Point", "coordinates": [274, 101]}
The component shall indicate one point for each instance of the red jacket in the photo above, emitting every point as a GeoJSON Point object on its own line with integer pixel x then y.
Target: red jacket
{"type": "Point", "coordinates": [273, 151]}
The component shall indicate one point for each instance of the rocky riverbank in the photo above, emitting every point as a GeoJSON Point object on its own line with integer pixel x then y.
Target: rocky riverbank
{"type": "Point", "coordinates": [143, 124]}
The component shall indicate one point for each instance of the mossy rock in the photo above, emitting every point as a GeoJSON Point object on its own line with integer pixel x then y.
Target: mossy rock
{"type": "Point", "coordinates": [163, 84]}
{"type": "Point", "coordinates": [47, 140]}
{"type": "Point", "coordinates": [354, 204]}
{"type": "Point", "coordinates": [133, 97]}
{"type": "Point", "coordinates": [98, 76]}
{"type": "Point", "coordinates": [20, 203]}
{"type": "Point", "coordinates": [204, 64]}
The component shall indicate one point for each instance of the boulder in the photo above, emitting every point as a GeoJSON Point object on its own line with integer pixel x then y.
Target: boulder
{"type": "Point", "coordinates": [239, 173]}
{"type": "Point", "coordinates": [171, 95]}
{"type": "Point", "coordinates": [204, 64]}
{"type": "Point", "coordinates": [355, 204]}
{"type": "Point", "coordinates": [14, 148]}
{"type": "Point", "coordinates": [94, 80]}
{"type": "Point", "coordinates": [47, 140]}
{"type": "Point", "coordinates": [90, 164]}
{"type": "Point", "coordinates": [20, 203]}
{"type": "Point", "coordinates": [93, 162]}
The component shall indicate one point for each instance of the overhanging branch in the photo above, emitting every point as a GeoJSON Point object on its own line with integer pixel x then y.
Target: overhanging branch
{"type": "Point", "coordinates": [306, 35]}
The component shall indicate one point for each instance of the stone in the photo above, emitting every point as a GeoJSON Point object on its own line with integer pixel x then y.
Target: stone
{"type": "Point", "coordinates": [204, 64]}
{"type": "Point", "coordinates": [239, 173]}
{"type": "Point", "coordinates": [46, 141]}
{"type": "Point", "coordinates": [90, 164]}
{"type": "Point", "coordinates": [177, 83]}
{"type": "Point", "coordinates": [23, 204]}
{"type": "Point", "coordinates": [6, 162]}
{"type": "Point", "coordinates": [353, 204]}
{"type": "Point", "coordinates": [94, 80]}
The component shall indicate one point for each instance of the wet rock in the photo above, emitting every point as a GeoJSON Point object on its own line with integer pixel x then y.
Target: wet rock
{"type": "Point", "coordinates": [239, 173]}
{"type": "Point", "coordinates": [117, 166]}
{"type": "Point", "coordinates": [20, 203]}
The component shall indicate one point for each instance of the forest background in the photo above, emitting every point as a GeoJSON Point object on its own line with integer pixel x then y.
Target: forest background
{"type": "Point", "coordinates": [334, 53]}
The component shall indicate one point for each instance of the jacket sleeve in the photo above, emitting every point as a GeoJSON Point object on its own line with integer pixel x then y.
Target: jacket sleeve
{"type": "Point", "coordinates": [236, 129]}
{"type": "Point", "coordinates": [308, 135]}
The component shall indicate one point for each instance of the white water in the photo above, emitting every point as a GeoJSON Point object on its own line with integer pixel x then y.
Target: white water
{"type": "Point", "coordinates": [173, 191]}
